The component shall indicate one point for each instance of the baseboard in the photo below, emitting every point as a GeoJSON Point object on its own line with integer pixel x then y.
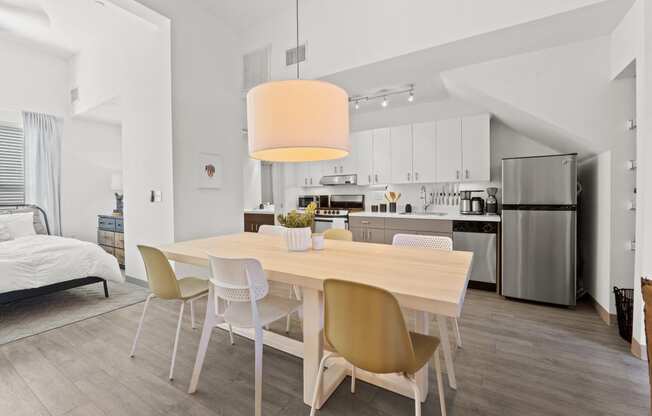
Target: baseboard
{"type": "Point", "coordinates": [602, 312]}
{"type": "Point", "coordinates": [639, 351]}
{"type": "Point", "coordinates": [137, 282]}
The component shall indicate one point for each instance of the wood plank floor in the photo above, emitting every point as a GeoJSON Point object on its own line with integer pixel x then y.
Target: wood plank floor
{"type": "Point", "coordinates": [517, 359]}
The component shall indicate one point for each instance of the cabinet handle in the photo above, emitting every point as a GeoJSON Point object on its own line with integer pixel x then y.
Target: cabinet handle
{"type": "Point", "coordinates": [457, 175]}
{"type": "Point", "coordinates": [369, 178]}
{"type": "Point", "coordinates": [466, 173]}
{"type": "Point", "coordinates": [364, 222]}
{"type": "Point", "coordinates": [341, 169]}
{"type": "Point", "coordinates": [310, 181]}
{"type": "Point", "coordinates": [369, 235]}
{"type": "Point", "coordinates": [416, 176]}
{"type": "Point", "coordinates": [376, 176]}
{"type": "Point", "coordinates": [305, 181]}
{"type": "Point", "coordinates": [334, 169]}
{"type": "Point", "coordinates": [408, 176]}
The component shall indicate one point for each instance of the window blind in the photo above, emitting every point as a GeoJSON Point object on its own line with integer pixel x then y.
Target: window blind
{"type": "Point", "coordinates": [12, 165]}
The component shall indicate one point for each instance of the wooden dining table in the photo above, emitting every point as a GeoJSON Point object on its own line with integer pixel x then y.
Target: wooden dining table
{"type": "Point", "coordinates": [429, 282]}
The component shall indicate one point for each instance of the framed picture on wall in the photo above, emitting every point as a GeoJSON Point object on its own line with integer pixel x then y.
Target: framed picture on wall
{"type": "Point", "coordinates": [210, 171]}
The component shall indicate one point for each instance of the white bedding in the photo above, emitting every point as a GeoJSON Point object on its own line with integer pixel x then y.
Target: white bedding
{"type": "Point", "coordinates": [40, 260]}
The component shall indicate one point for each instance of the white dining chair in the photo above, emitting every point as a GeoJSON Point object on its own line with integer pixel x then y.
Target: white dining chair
{"type": "Point", "coordinates": [294, 290]}
{"type": "Point", "coordinates": [242, 287]}
{"type": "Point", "coordinates": [435, 242]}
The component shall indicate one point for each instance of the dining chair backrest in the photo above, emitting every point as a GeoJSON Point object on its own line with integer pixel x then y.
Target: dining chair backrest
{"type": "Point", "coordinates": [271, 229]}
{"type": "Point", "coordinates": [338, 234]}
{"type": "Point", "coordinates": [365, 325]}
{"type": "Point", "coordinates": [235, 280]}
{"type": "Point", "coordinates": [161, 278]}
{"type": "Point", "coordinates": [423, 241]}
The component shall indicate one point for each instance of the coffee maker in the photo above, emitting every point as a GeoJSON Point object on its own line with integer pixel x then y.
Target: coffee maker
{"type": "Point", "coordinates": [465, 202]}
{"type": "Point", "coordinates": [492, 202]}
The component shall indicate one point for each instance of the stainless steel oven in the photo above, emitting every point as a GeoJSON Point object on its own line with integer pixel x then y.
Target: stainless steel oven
{"type": "Point", "coordinates": [322, 201]}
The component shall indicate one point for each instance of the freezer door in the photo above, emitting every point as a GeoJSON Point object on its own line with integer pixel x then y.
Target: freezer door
{"type": "Point", "coordinates": [547, 180]}
{"type": "Point", "coordinates": [538, 255]}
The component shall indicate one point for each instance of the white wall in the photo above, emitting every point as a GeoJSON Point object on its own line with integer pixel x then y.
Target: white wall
{"type": "Point", "coordinates": [206, 84]}
{"type": "Point", "coordinates": [252, 182]}
{"type": "Point", "coordinates": [32, 80]}
{"type": "Point", "coordinates": [369, 31]}
{"type": "Point", "coordinates": [91, 153]}
{"type": "Point", "coordinates": [595, 227]}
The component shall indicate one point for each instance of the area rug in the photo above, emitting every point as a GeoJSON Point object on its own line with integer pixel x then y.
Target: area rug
{"type": "Point", "coordinates": [36, 315]}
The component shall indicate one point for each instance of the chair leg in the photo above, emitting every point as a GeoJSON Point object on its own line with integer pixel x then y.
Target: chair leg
{"type": "Point", "coordinates": [417, 396]}
{"type": "Point", "coordinates": [352, 379]}
{"type": "Point", "coordinates": [210, 320]}
{"type": "Point", "coordinates": [140, 326]}
{"type": "Point", "coordinates": [231, 335]}
{"type": "Point", "coordinates": [258, 346]}
{"type": "Point", "coordinates": [176, 341]}
{"type": "Point", "coordinates": [440, 384]}
{"type": "Point", "coordinates": [297, 294]}
{"type": "Point", "coordinates": [192, 314]}
{"type": "Point", "coordinates": [456, 330]}
{"type": "Point", "coordinates": [320, 376]}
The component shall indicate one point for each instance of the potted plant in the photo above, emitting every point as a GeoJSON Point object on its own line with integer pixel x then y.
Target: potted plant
{"type": "Point", "coordinates": [299, 228]}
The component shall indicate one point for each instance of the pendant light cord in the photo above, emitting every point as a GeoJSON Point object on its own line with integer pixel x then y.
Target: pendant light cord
{"type": "Point", "coordinates": [297, 10]}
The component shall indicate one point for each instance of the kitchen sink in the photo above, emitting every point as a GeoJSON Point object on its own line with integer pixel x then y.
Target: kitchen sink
{"type": "Point", "coordinates": [436, 214]}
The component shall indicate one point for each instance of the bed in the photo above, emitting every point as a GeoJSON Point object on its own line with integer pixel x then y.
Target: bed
{"type": "Point", "coordinates": [39, 264]}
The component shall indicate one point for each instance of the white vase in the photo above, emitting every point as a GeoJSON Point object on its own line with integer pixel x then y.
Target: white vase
{"type": "Point", "coordinates": [298, 239]}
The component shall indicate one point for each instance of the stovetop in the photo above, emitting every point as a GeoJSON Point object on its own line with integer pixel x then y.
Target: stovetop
{"type": "Point", "coordinates": [332, 212]}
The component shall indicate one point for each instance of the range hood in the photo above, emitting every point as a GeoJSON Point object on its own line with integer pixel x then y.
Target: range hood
{"type": "Point", "coordinates": [332, 180]}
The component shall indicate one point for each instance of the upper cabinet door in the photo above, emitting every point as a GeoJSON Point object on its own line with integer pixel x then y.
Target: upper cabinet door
{"type": "Point", "coordinates": [423, 160]}
{"type": "Point", "coordinates": [449, 150]}
{"type": "Point", "coordinates": [362, 149]}
{"type": "Point", "coordinates": [331, 167]}
{"type": "Point", "coordinates": [401, 154]}
{"type": "Point", "coordinates": [476, 148]}
{"type": "Point", "coordinates": [382, 156]}
{"type": "Point", "coordinates": [316, 172]}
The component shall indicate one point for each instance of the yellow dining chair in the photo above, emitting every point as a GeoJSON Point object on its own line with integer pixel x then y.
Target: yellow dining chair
{"type": "Point", "coordinates": [164, 285]}
{"type": "Point", "coordinates": [338, 234]}
{"type": "Point", "coordinates": [364, 325]}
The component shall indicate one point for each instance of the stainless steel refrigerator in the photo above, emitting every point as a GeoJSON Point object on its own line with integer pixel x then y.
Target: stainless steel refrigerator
{"type": "Point", "coordinates": [539, 228]}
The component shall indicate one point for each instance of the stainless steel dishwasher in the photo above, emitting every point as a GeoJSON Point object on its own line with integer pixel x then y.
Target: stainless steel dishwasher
{"type": "Point", "coordinates": [480, 237]}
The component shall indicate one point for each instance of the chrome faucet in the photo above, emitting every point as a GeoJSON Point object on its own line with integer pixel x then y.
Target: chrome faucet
{"type": "Point", "coordinates": [424, 196]}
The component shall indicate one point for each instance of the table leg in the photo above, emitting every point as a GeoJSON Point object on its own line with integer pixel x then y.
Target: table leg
{"type": "Point", "coordinates": [312, 341]}
{"type": "Point", "coordinates": [210, 320]}
{"type": "Point", "coordinates": [421, 377]}
{"type": "Point", "coordinates": [446, 346]}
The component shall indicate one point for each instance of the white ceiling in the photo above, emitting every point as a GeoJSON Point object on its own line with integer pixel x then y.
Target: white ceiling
{"type": "Point", "coordinates": [423, 68]}
{"type": "Point", "coordinates": [61, 27]}
{"type": "Point", "coordinates": [241, 15]}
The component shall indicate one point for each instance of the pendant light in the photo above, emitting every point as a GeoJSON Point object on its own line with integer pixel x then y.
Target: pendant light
{"type": "Point", "coordinates": [298, 120]}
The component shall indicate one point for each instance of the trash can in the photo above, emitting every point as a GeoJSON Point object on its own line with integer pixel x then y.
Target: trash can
{"type": "Point", "coordinates": [624, 312]}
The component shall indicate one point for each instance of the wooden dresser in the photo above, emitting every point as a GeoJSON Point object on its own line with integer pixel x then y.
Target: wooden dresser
{"type": "Point", "coordinates": [110, 236]}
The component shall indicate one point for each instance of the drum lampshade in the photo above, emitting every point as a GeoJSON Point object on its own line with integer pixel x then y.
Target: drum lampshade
{"type": "Point", "coordinates": [298, 121]}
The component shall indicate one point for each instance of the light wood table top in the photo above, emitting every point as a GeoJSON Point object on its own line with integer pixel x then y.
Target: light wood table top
{"type": "Point", "coordinates": [423, 279]}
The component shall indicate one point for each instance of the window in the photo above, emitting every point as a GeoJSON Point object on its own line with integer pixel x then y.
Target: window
{"type": "Point", "coordinates": [12, 165]}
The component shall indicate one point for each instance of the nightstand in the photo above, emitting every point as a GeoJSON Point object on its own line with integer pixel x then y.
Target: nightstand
{"type": "Point", "coordinates": [110, 236]}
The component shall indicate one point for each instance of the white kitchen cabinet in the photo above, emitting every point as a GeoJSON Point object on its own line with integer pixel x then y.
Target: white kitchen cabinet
{"type": "Point", "coordinates": [448, 150]}
{"type": "Point", "coordinates": [315, 173]}
{"type": "Point", "coordinates": [401, 154]}
{"type": "Point", "coordinates": [476, 148]}
{"type": "Point", "coordinates": [362, 150]}
{"type": "Point", "coordinates": [332, 167]}
{"type": "Point", "coordinates": [302, 173]}
{"type": "Point", "coordinates": [424, 152]}
{"type": "Point", "coordinates": [382, 156]}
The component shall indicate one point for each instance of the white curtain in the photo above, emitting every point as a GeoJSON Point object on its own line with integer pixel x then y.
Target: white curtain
{"type": "Point", "coordinates": [43, 165]}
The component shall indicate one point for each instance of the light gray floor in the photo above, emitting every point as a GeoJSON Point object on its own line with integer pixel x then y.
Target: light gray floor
{"type": "Point", "coordinates": [518, 359]}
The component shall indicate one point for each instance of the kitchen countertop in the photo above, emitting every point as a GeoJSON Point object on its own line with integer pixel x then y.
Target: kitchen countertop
{"type": "Point", "coordinates": [448, 216]}
{"type": "Point", "coordinates": [259, 211]}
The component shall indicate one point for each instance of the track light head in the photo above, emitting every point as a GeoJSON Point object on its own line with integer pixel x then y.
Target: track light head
{"type": "Point", "coordinates": [411, 96]}
{"type": "Point", "coordinates": [385, 102]}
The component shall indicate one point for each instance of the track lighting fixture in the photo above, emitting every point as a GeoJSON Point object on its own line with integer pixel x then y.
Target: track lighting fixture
{"type": "Point", "coordinates": [384, 95]}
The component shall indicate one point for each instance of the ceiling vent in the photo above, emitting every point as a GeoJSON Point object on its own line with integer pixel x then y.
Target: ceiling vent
{"type": "Point", "coordinates": [74, 95]}
{"type": "Point", "coordinates": [295, 55]}
{"type": "Point", "coordinates": [256, 68]}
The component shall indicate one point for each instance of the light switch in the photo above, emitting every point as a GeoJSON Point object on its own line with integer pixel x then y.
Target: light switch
{"type": "Point", "coordinates": [155, 196]}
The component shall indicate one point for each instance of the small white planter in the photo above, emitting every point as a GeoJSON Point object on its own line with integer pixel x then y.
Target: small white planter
{"type": "Point", "coordinates": [298, 239]}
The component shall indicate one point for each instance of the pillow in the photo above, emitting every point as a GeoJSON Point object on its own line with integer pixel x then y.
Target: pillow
{"type": "Point", "coordinates": [19, 225]}
{"type": "Point", "coordinates": [5, 235]}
